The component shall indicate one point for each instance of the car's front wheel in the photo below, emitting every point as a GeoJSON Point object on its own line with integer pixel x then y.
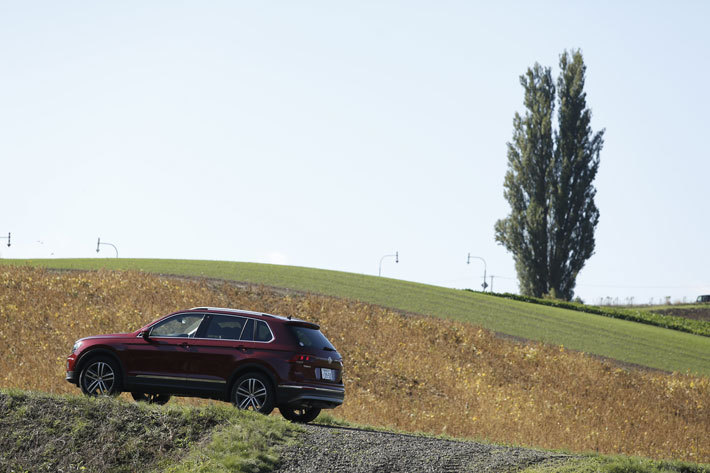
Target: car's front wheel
{"type": "Point", "coordinates": [253, 391]}
{"type": "Point", "coordinates": [300, 415]}
{"type": "Point", "coordinates": [100, 377]}
{"type": "Point", "coordinates": [159, 399]}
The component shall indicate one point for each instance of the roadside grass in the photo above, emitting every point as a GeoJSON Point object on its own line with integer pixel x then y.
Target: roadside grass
{"type": "Point", "coordinates": [244, 443]}
{"type": "Point", "coordinates": [631, 342]}
{"type": "Point", "coordinates": [411, 373]}
{"type": "Point", "coordinates": [618, 464]}
{"type": "Point", "coordinates": [326, 418]}
{"type": "Point", "coordinates": [41, 432]}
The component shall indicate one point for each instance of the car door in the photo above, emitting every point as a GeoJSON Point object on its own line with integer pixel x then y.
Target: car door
{"type": "Point", "coordinates": [165, 358]}
{"type": "Point", "coordinates": [218, 350]}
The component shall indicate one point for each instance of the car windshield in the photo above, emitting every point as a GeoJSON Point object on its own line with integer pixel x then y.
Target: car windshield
{"type": "Point", "coordinates": [311, 338]}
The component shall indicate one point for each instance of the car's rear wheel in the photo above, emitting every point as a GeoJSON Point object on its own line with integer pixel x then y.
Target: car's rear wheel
{"type": "Point", "coordinates": [100, 377]}
{"type": "Point", "coordinates": [253, 391]}
{"type": "Point", "coordinates": [301, 415]}
{"type": "Point", "coordinates": [159, 399]}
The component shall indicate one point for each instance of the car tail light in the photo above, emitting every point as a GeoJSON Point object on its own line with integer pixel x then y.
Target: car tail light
{"type": "Point", "coordinates": [300, 358]}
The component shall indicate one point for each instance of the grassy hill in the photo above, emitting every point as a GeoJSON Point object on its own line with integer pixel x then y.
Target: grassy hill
{"type": "Point", "coordinates": [618, 339]}
{"type": "Point", "coordinates": [412, 373]}
{"type": "Point", "coordinates": [695, 320]}
{"type": "Point", "coordinates": [48, 433]}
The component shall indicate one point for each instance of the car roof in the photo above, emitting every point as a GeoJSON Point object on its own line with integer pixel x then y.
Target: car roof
{"type": "Point", "coordinates": [227, 310]}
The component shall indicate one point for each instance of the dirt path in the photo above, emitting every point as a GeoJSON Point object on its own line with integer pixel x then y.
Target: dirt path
{"type": "Point", "coordinates": [342, 449]}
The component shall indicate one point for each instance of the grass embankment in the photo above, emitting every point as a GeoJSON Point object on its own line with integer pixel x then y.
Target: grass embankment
{"type": "Point", "coordinates": [412, 373]}
{"type": "Point", "coordinates": [619, 339]}
{"type": "Point", "coordinates": [618, 464]}
{"type": "Point", "coordinates": [40, 432]}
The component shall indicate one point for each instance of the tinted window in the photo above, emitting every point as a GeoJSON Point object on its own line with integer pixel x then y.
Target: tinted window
{"type": "Point", "coordinates": [263, 334]}
{"type": "Point", "coordinates": [184, 325]}
{"type": "Point", "coordinates": [224, 327]}
{"type": "Point", "coordinates": [311, 338]}
{"type": "Point", "coordinates": [248, 332]}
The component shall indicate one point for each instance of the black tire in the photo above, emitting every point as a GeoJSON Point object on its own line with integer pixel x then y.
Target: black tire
{"type": "Point", "coordinates": [300, 415]}
{"type": "Point", "coordinates": [100, 376]}
{"type": "Point", "coordinates": [159, 399]}
{"type": "Point", "coordinates": [253, 391]}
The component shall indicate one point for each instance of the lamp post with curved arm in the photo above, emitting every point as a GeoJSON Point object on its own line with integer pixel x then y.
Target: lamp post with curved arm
{"type": "Point", "coordinates": [468, 261]}
{"type": "Point", "coordinates": [396, 260]}
{"type": "Point", "coordinates": [98, 243]}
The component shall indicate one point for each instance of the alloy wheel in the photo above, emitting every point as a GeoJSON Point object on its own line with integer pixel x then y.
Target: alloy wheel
{"type": "Point", "coordinates": [99, 379]}
{"type": "Point", "coordinates": [251, 394]}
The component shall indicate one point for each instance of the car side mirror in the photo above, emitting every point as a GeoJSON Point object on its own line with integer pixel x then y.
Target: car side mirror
{"type": "Point", "coordinates": [145, 334]}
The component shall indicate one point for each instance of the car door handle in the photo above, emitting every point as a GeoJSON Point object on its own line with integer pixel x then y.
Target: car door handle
{"type": "Point", "coordinates": [184, 345]}
{"type": "Point", "coordinates": [241, 347]}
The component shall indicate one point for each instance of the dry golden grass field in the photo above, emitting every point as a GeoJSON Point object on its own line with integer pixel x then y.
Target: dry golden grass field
{"type": "Point", "coordinates": [411, 373]}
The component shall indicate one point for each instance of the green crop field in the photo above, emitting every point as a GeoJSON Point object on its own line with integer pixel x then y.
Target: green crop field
{"type": "Point", "coordinates": [627, 341]}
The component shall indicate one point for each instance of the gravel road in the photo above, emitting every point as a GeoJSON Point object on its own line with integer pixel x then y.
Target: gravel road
{"type": "Point", "coordinates": [343, 449]}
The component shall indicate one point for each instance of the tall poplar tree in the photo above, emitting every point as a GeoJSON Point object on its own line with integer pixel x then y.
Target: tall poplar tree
{"type": "Point", "coordinates": [549, 182]}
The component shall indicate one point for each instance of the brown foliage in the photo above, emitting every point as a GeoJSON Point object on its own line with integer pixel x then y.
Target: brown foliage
{"type": "Point", "coordinates": [412, 373]}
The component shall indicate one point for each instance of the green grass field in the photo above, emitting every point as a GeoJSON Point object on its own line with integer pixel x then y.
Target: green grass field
{"type": "Point", "coordinates": [673, 317]}
{"type": "Point", "coordinates": [618, 339]}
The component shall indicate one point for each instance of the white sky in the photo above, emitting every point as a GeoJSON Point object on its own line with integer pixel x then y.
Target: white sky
{"type": "Point", "coordinates": [328, 134]}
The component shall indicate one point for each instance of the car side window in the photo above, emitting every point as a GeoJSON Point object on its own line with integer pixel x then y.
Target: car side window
{"type": "Point", "coordinates": [263, 334]}
{"type": "Point", "coordinates": [179, 326]}
{"type": "Point", "coordinates": [224, 327]}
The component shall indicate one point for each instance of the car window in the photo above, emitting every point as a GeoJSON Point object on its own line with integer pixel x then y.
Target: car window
{"type": "Point", "coordinates": [311, 337]}
{"type": "Point", "coordinates": [183, 325]}
{"type": "Point", "coordinates": [263, 334]}
{"type": "Point", "coordinates": [224, 327]}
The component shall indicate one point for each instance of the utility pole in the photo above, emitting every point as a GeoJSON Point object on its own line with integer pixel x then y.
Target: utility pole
{"type": "Point", "coordinates": [8, 238]}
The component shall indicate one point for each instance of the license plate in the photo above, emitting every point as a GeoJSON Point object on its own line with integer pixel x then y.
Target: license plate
{"type": "Point", "coordinates": [328, 374]}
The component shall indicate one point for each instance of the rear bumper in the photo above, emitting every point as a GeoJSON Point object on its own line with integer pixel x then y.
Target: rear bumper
{"type": "Point", "coordinates": [303, 395]}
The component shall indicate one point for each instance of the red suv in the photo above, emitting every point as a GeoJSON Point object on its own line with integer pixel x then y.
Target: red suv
{"type": "Point", "coordinates": [257, 361]}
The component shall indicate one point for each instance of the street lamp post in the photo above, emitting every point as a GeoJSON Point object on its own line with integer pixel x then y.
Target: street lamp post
{"type": "Point", "coordinates": [468, 261]}
{"type": "Point", "coordinates": [396, 260]}
{"type": "Point", "coordinates": [98, 243]}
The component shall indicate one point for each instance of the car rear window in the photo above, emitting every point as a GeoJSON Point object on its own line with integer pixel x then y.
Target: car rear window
{"type": "Point", "coordinates": [311, 338]}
